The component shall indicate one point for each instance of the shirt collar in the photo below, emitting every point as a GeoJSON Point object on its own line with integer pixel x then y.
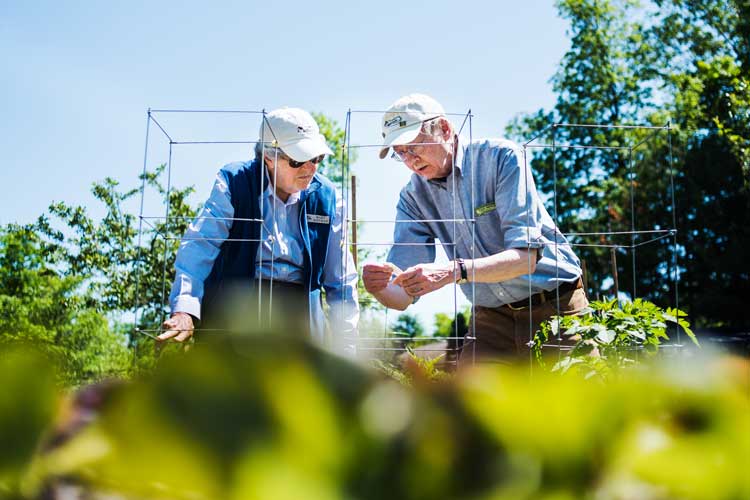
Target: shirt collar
{"type": "Point", "coordinates": [271, 193]}
{"type": "Point", "coordinates": [458, 159]}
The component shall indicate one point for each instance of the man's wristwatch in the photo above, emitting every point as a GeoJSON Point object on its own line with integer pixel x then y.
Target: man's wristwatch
{"type": "Point", "coordinates": [464, 275]}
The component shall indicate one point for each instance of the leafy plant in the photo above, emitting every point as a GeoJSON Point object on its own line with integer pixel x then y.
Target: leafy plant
{"type": "Point", "coordinates": [414, 367]}
{"type": "Point", "coordinates": [609, 335]}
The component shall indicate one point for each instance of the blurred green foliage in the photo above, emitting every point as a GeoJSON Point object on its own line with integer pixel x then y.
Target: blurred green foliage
{"type": "Point", "coordinates": [408, 325]}
{"type": "Point", "coordinates": [27, 406]}
{"type": "Point", "coordinates": [267, 415]}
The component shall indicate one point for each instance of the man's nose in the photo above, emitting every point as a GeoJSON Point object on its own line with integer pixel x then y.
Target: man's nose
{"type": "Point", "coordinates": [309, 168]}
{"type": "Point", "coordinates": [409, 159]}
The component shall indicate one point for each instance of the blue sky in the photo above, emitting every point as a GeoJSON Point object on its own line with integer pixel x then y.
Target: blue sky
{"type": "Point", "coordinates": [78, 77]}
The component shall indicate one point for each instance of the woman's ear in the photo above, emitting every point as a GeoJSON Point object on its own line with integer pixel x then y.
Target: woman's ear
{"type": "Point", "coordinates": [268, 162]}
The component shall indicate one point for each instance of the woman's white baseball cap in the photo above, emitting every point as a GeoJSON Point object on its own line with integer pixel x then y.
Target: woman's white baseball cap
{"type": "Point", "coordinates": [295, 132]}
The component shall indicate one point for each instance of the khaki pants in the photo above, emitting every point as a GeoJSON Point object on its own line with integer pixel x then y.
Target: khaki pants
{"type": "Point", "coordinates": [502, 333]}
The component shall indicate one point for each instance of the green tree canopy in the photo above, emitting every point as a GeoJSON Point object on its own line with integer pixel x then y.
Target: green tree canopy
{"type": "Point", "coordinates": [408, 325]}
{"type": "Point", "coordinates": [683, 63]}
{"type": "Point", "coordinates": [48, 309]}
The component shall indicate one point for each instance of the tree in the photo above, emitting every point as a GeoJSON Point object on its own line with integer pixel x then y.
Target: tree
{"type": "Point", "coordinates": [708, 54]}
{"type": "Point", "coordinates": [671, 61]}
{"type": "Point", "coordinates": [604, 78]}
{"type": "Point", "coordinates": [454, 329]}
{"type": "Point", "coordinates": [447, 326]}
{"type": "Point", "coordinates": [408, 325]}
{"type": "Point", "coordinates": [333, 167]}
{"type": "Point", "coordinates": [120, 271]}
{"type": "Point", "coordinates": [44, 308]}
{"type": "Point", "coordinates": [443, 325]}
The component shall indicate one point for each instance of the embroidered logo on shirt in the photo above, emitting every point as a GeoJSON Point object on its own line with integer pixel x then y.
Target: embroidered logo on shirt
{"type": "Point", "coordinates": [318, 219]}
{"type": "Point", "coordinates": [485, 209]}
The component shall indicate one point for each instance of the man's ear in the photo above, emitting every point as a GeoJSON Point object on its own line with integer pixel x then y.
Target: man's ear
{"type": "Point", "coordinates": [445, 129]}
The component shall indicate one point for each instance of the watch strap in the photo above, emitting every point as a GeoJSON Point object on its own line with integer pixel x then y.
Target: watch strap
{"type": "Point", "coordinates": [462, 268]}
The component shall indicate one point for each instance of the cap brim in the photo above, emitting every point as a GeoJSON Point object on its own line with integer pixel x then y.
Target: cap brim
{"type": "Point", "coordinates": [306, 149]}
{"type": "Point", "coordinates": [400, 137]}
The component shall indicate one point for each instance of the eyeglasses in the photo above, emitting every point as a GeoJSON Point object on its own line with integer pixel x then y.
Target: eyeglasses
{"type": "Point", "coordinates": [298, 164]}
{"type": "Point", "coordinates": [414, 150]}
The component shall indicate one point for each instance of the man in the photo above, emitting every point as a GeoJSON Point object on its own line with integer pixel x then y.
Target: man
{"type": "Point", "coordinates": [273, 221]}
{"type": "Point", "coordinates": [516, 256]}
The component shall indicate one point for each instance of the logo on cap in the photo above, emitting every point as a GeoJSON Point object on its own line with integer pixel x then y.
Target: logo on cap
{"type": "Point", "coordinates": [396, 120]}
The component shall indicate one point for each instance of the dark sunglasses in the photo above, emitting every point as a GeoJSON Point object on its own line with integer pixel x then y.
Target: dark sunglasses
{"type": "Point", "coordinates": [298, 164]}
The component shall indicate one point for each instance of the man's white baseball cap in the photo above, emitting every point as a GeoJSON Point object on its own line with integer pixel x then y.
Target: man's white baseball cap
{"type": "Point", "coordinates": [403, 119]}
{"type": "Point", "coordinates": [295, 132]}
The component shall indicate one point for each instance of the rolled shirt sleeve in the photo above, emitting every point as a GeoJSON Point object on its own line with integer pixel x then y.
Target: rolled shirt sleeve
{"type": "Point", "coordinates": [517, 202]}
{"type": "Point", "coordinates": [199, 248]}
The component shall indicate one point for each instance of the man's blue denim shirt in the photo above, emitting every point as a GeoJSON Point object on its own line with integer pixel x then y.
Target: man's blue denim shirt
{"type": "Point", "coordinates": [491, 191]}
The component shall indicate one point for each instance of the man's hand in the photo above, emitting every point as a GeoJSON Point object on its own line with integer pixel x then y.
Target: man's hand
{"type": "Point", "coordinates": [377, 281]}
{"type": "Point", "coordinates": [377, 276]}
{"type": "Point", "coordinates": [179, 327]}
{"type": "Point", "coordinates": [425, 278]}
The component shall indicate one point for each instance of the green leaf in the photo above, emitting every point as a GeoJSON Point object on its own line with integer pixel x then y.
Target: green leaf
{"type": "Point", "coordinates": [634, 332]}
{"type": "Point", "coordinates": [605, 336]}
{"type": "Point", "coordinates": [565, 364]}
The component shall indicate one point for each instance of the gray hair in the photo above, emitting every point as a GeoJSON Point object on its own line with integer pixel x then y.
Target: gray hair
{"type": "Point", "coordinates": [271, 151]}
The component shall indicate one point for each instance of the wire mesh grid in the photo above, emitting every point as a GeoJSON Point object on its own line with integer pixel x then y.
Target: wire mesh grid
{"type": "Point", "coordinates": [162, 225]}
{"type": "Point", "coordinates": [389, 341]}
{"type": "Point", "coordinates": [607, 239]}
{"type": "Point", "coordinates": [385, 339]}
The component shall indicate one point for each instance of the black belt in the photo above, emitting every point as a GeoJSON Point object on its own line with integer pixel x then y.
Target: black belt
{"type": "Point", "coordinates": [547, 296]}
